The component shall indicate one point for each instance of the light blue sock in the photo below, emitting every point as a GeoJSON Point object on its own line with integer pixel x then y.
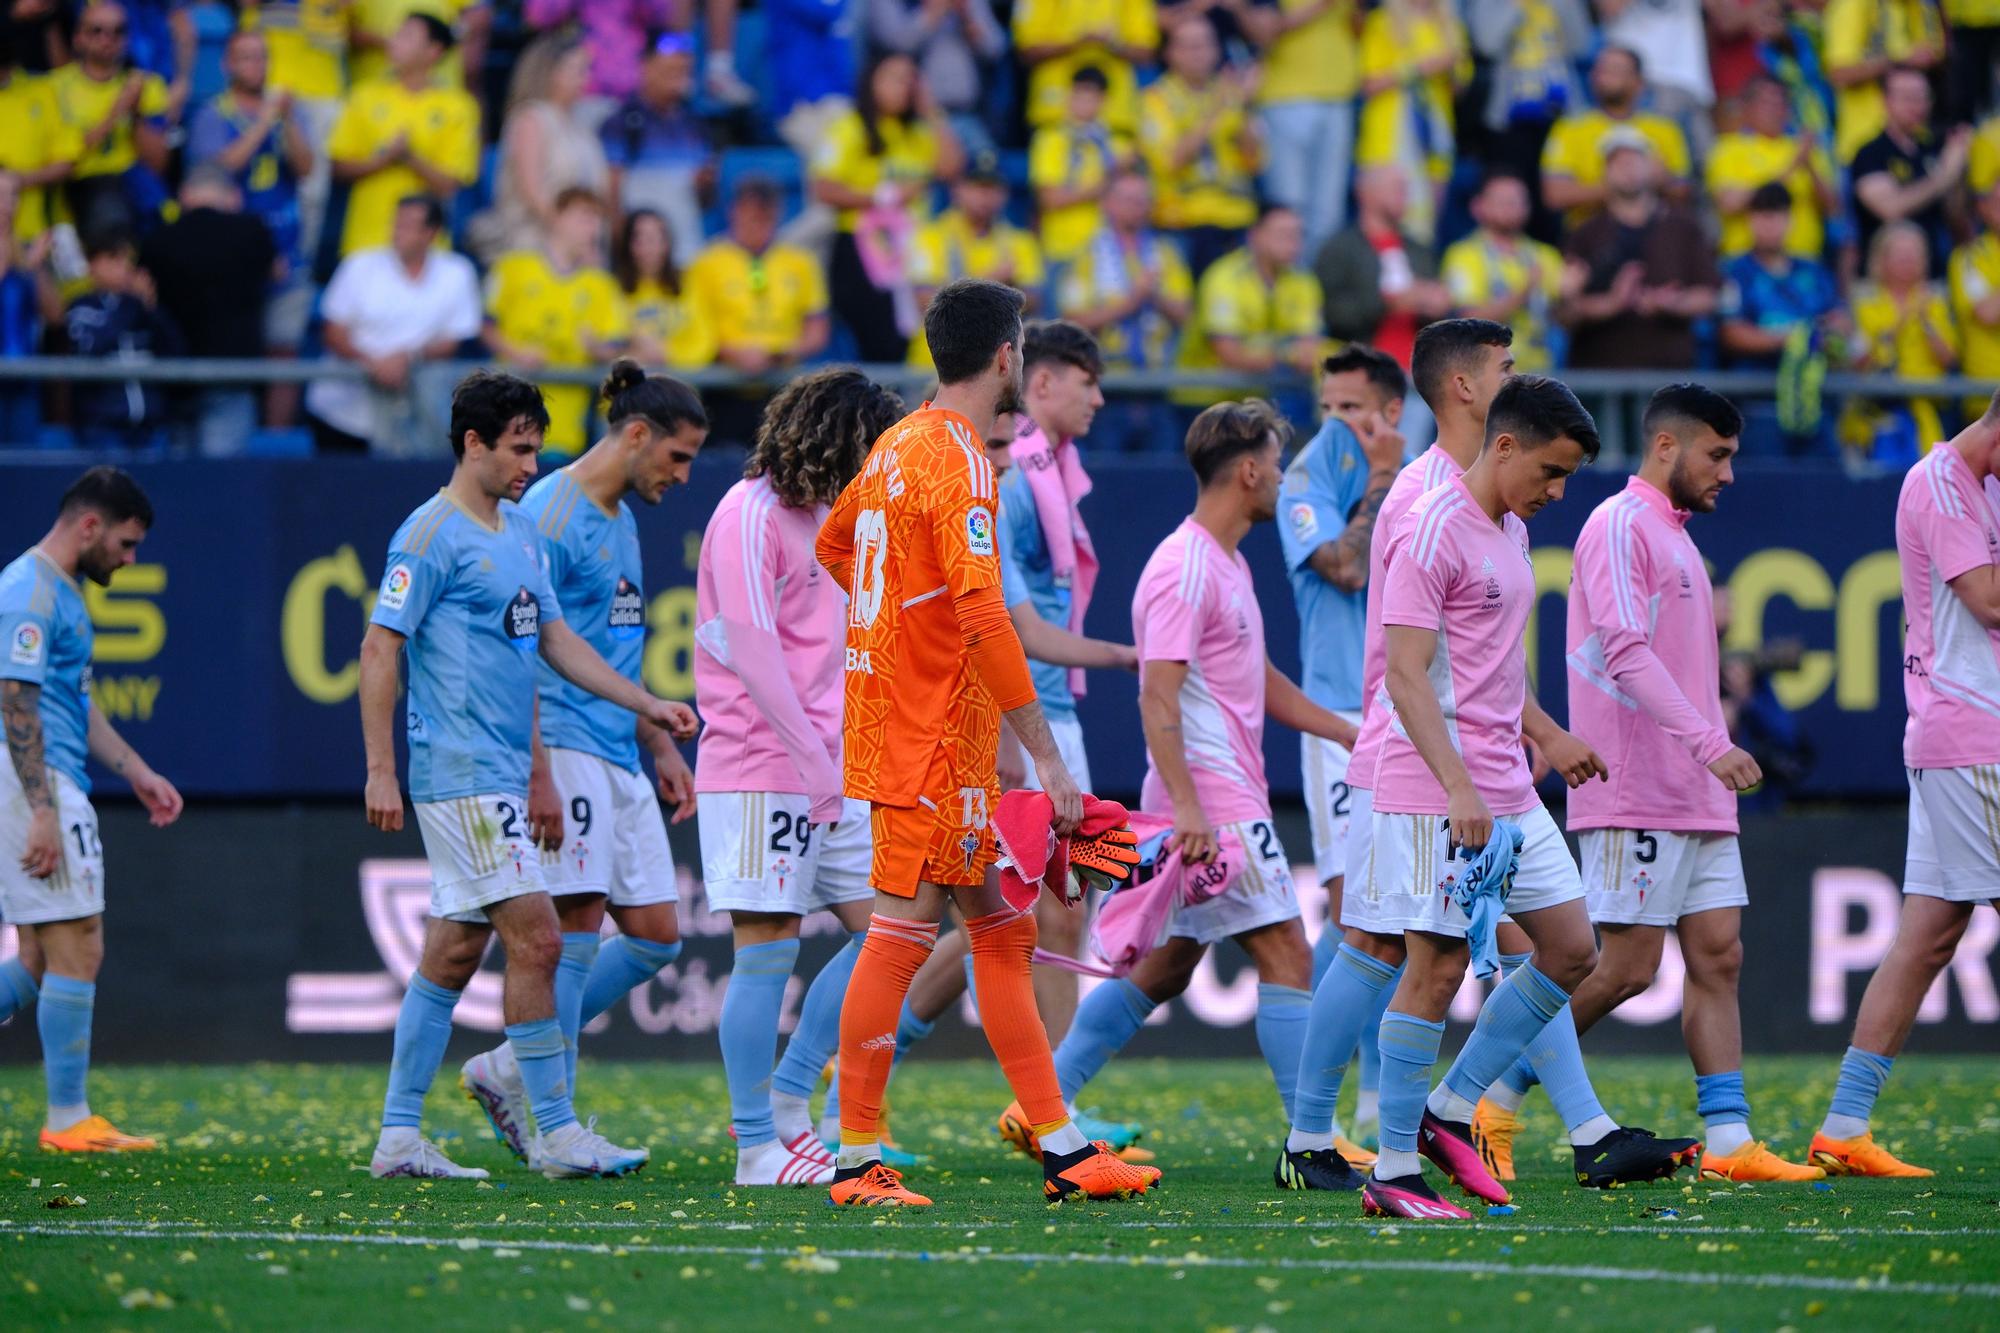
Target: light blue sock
{"type": "Point", "coordinates": [623, 962]}
{"type": "Point", "coordinates": [1371, 1038]}
{"type": "Point", "coordinates": [423, 1029]}
{"type": "Point", "coordinates": [1107, 1018]}
{"type": "Point", "coordinates": [1720, 1099]}
{"type": "Point", "coordinates": [1557, 1060]}
{"type": "Point", "coordinates": [544, 1059]}
{"type": "Point", "coordinates": [1341, 1005]}
{"type": "Point", "coordinates": [817, 1036]}
{"type": "Point", "coordinates": [1520, 1075]}
{"type": "Point", "coordinates": [1324, 949]}
{"type": "Point", "coordinates": [1513, 1016]}
{"type": "Point", "coordinates": [748, 1028]}
{"type": "Point", "coordinates": [579, 952]}
{"type": "Point", "coordinates": [1862, 1074]}
{"type": "Point", "coordinates": [64, 1023]}
{"type": "Point", "coordinates": [17, 988]}
{"type": "Point", "coordinates": [1409, 1051]}
{"type": "Point", "coordinates": [910, 1030]}
{"type": "Point", "coordinates": [1283, 1014]}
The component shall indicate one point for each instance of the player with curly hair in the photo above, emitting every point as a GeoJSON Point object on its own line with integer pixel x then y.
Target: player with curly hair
{"type": "Point", "coordinates": [777, 839]}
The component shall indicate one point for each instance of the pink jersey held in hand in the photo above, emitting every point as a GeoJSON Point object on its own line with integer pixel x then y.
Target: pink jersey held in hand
{"type": "Point", "coordinates": [1644, 688]}
{"type": "Point", "coordinates": [1196, 604]}
{"type": "Point", "coordinates": [768, 639]}
{"type": "Point", "coordinates": [1430, 470]}
{"type": "Point", "coordinates": [1951, 663]}
{"type": "Point", "coordinates": [1456, 572]}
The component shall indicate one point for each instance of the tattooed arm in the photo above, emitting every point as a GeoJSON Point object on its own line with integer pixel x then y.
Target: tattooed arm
{"type": "Point", "coordinates": [1343, 562]}
{"type": "Point", "coordinates": [21, 709]}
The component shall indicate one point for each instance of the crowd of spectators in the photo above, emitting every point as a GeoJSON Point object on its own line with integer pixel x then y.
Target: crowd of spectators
{"type": "Point", "coordinates": [1794, 187]}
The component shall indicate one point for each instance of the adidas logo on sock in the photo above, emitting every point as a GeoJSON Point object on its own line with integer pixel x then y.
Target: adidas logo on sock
{"type": "Point", "coordinates": [882, 1041]}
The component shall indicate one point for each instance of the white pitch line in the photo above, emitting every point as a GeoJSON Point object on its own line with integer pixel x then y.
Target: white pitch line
{"type": "Point", "coordinates": [1568, 1272]}
{"type": "Point", "coordinates": [1491, 1226]}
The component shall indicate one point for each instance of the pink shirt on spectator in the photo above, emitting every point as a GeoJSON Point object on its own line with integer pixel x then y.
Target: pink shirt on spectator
{"type": "Point", "coordinates": [1644, 683]}
{"type": "Point", "coordinates": [615, 32]}
{"type": "Point", "coordinates": [768, 634]}
{"type": "Point", "coordinates": [1951, 663]}
{"type": "Point", "coordinates": [1431, 469]}
{"type": "Point", "coordinates": [1196, 604]}
{"type": "Point", "coordinates": [1457, 572]}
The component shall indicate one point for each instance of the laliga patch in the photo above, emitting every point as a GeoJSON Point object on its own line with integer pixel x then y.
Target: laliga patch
{"type": "Point", "coordinates": [979, 530]}
{"type": "Point", "coordinates": [1305, 523]}
{"type": "Point", "coordinates": [27, 646]}
{"type": "Point", "coordinates": [396, 587]}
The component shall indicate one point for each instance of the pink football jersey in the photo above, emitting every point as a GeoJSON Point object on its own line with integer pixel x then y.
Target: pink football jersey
{"type": "Point", "coordinates": [1458, 573]}
{"type": "Point", "coordinates": [1951, 663]}
{"type": "Point", "coordinates": [1644, 683]}
{"type": "Point", "coordinates": [758, 571]}
{"type": "Point", "coordinates": [1196, 604]}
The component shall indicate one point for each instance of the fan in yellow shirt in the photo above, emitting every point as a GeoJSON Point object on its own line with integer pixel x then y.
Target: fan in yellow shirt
{"type": "Point", "coordinates": [1498, 273]}
{"type": "Point", "coordinates": [1982, 170]}
{"type": "Point", "coordinates": [1414, 58]}
{"type": "Point", "coordinates": [1573, 156]}
{"type": "Point", "coordinates": [1202, 144]}
{"type": "Point", "coordinates": [973, 239]}
{"type": "Point", "coordinates": [403, 136]}
{"type": "Point", "coordinates": [1129, 285]}
{"type": "Point", "coordinates": [1975, 291]}
{"type": "Point", "coordinates": [1902, 321]}
{"type": "Point", "coordinates": [119, 113]}
{"type": "Point", "coordinates": [558, 309]}
{"type": "Point", "coordinates": [308, 42]}
{"type": "Point", "coordinates": [668, 326]}
{"type": "Point", "coordinates": [1255, 309]}
{"type": "Point", "coordinates": [1053, 38]}
{"type": "Point", "coordinates": [1860, 41]}
{"type": "Point", "coordinates": [1761, 153]}
{"type": "Point", "coordinates": [1070, 166]}
{"type": "Point", "coordinates": [35, 146]}
{"type": "Point", "coordinates": [765, 301]}
{"type": "Point", "coordinates": [375, 23]}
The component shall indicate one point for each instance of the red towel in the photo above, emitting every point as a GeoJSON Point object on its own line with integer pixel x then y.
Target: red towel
{"type": "Point", "coordinates": [1031, 853]}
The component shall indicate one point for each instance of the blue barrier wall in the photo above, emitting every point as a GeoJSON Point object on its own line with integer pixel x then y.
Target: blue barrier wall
{"type": "Point", "coordinates": [228, 654]}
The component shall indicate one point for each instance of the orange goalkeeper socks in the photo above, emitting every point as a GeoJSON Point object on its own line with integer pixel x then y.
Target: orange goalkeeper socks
{"type": "Point", "coordinates": [889, 960]}
{"type": "Point", "coordinates": [1003, 947]}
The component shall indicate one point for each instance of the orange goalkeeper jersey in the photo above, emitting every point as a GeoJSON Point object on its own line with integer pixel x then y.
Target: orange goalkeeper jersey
{"type": "Point", "coordinates": [916, 529]}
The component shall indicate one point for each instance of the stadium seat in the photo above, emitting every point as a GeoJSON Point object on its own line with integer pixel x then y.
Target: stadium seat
{"type": "Point", "coordinates": [212, 25]}
{"type": "Point", "coordinates": [296, 442]}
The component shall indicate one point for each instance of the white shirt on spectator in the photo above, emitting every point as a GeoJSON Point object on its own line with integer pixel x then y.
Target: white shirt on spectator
{"type": "Point", "coordinates": [1670, 40]}
{"type": "Point", "coordinates": [385, 310]}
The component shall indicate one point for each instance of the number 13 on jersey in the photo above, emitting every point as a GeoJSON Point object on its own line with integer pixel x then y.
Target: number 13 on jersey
{"type": "Point", "coordinates": [871, 552]}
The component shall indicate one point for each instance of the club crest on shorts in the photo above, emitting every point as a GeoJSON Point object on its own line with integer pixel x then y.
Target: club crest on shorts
{"type": "Point", "coordinates": [969, 845]}
{"type": "Point", "coordinates": [1642, 881]}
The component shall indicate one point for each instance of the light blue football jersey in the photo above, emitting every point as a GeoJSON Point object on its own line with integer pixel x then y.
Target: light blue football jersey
{"type": "Point", "coordinates": [471, 601]}
{"type": "Point", "coordinates": [45, 640]}
{"type": "Point", "coordinates": [592, 559]}
{"type": "Point", "coordinates": [1028, 552]}
{"type": "Point", "coordinates": [1321, 488]}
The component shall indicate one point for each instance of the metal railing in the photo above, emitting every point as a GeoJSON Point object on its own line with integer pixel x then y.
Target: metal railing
{"type": "Point", "coordinates": [1617, 392]}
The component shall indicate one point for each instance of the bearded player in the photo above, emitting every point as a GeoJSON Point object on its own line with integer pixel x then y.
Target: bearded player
{"type": "Point", "coordinates": [932, 664]}
{"type": "Point", "coordinates": [51, 863]}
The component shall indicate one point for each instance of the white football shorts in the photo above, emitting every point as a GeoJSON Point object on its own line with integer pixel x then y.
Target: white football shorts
{"type": "Point", "coordinates": [1954, 847]}
{"type": "Point", "coordinates": [614, 836]}
{"type": "Point", "coordinates": [76, 889]}
{"type": "Point", "coordinates": [1645, 877]}
{"type": "Point", "coordinates": [1329, 800]}
{"type": "Point", "coordinates": [480, 853]}
{"type": "Point", "coordinates": [760, 852]}
{"type": "Point", "coordinates": [1413, 860]}
{"type": "Point", "coordinates": [1263, 894]}
{"type": "Point", "coordinates": [1068, 734]}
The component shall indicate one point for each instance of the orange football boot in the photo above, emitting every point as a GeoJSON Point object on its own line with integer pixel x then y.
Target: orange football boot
{"type": "Point", "coordinates": [1861, 1156]}
{"type": "Point", "coordinates": [1097, 1173]}
{"type": "Point", "coordinates": [1756, 1161]}
{"type": "Point", "coordinates": [1493, 1133]}
{"type": "Point", "coordinates": [95, 1134]}
{"type": "Point", "coordinates": [877, 1187]}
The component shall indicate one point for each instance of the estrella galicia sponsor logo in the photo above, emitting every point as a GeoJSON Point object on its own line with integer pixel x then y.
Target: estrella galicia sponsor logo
{"type": "Point", "coordinates": [628, 611]}
{"type": "Point", "coordinates": [1492, 583]}
{"type": "Point", "coordinates": [524, 620]}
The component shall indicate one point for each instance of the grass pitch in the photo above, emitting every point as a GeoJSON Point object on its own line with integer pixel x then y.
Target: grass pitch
{"type": "Point", "coordinates": [259, 1213]}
